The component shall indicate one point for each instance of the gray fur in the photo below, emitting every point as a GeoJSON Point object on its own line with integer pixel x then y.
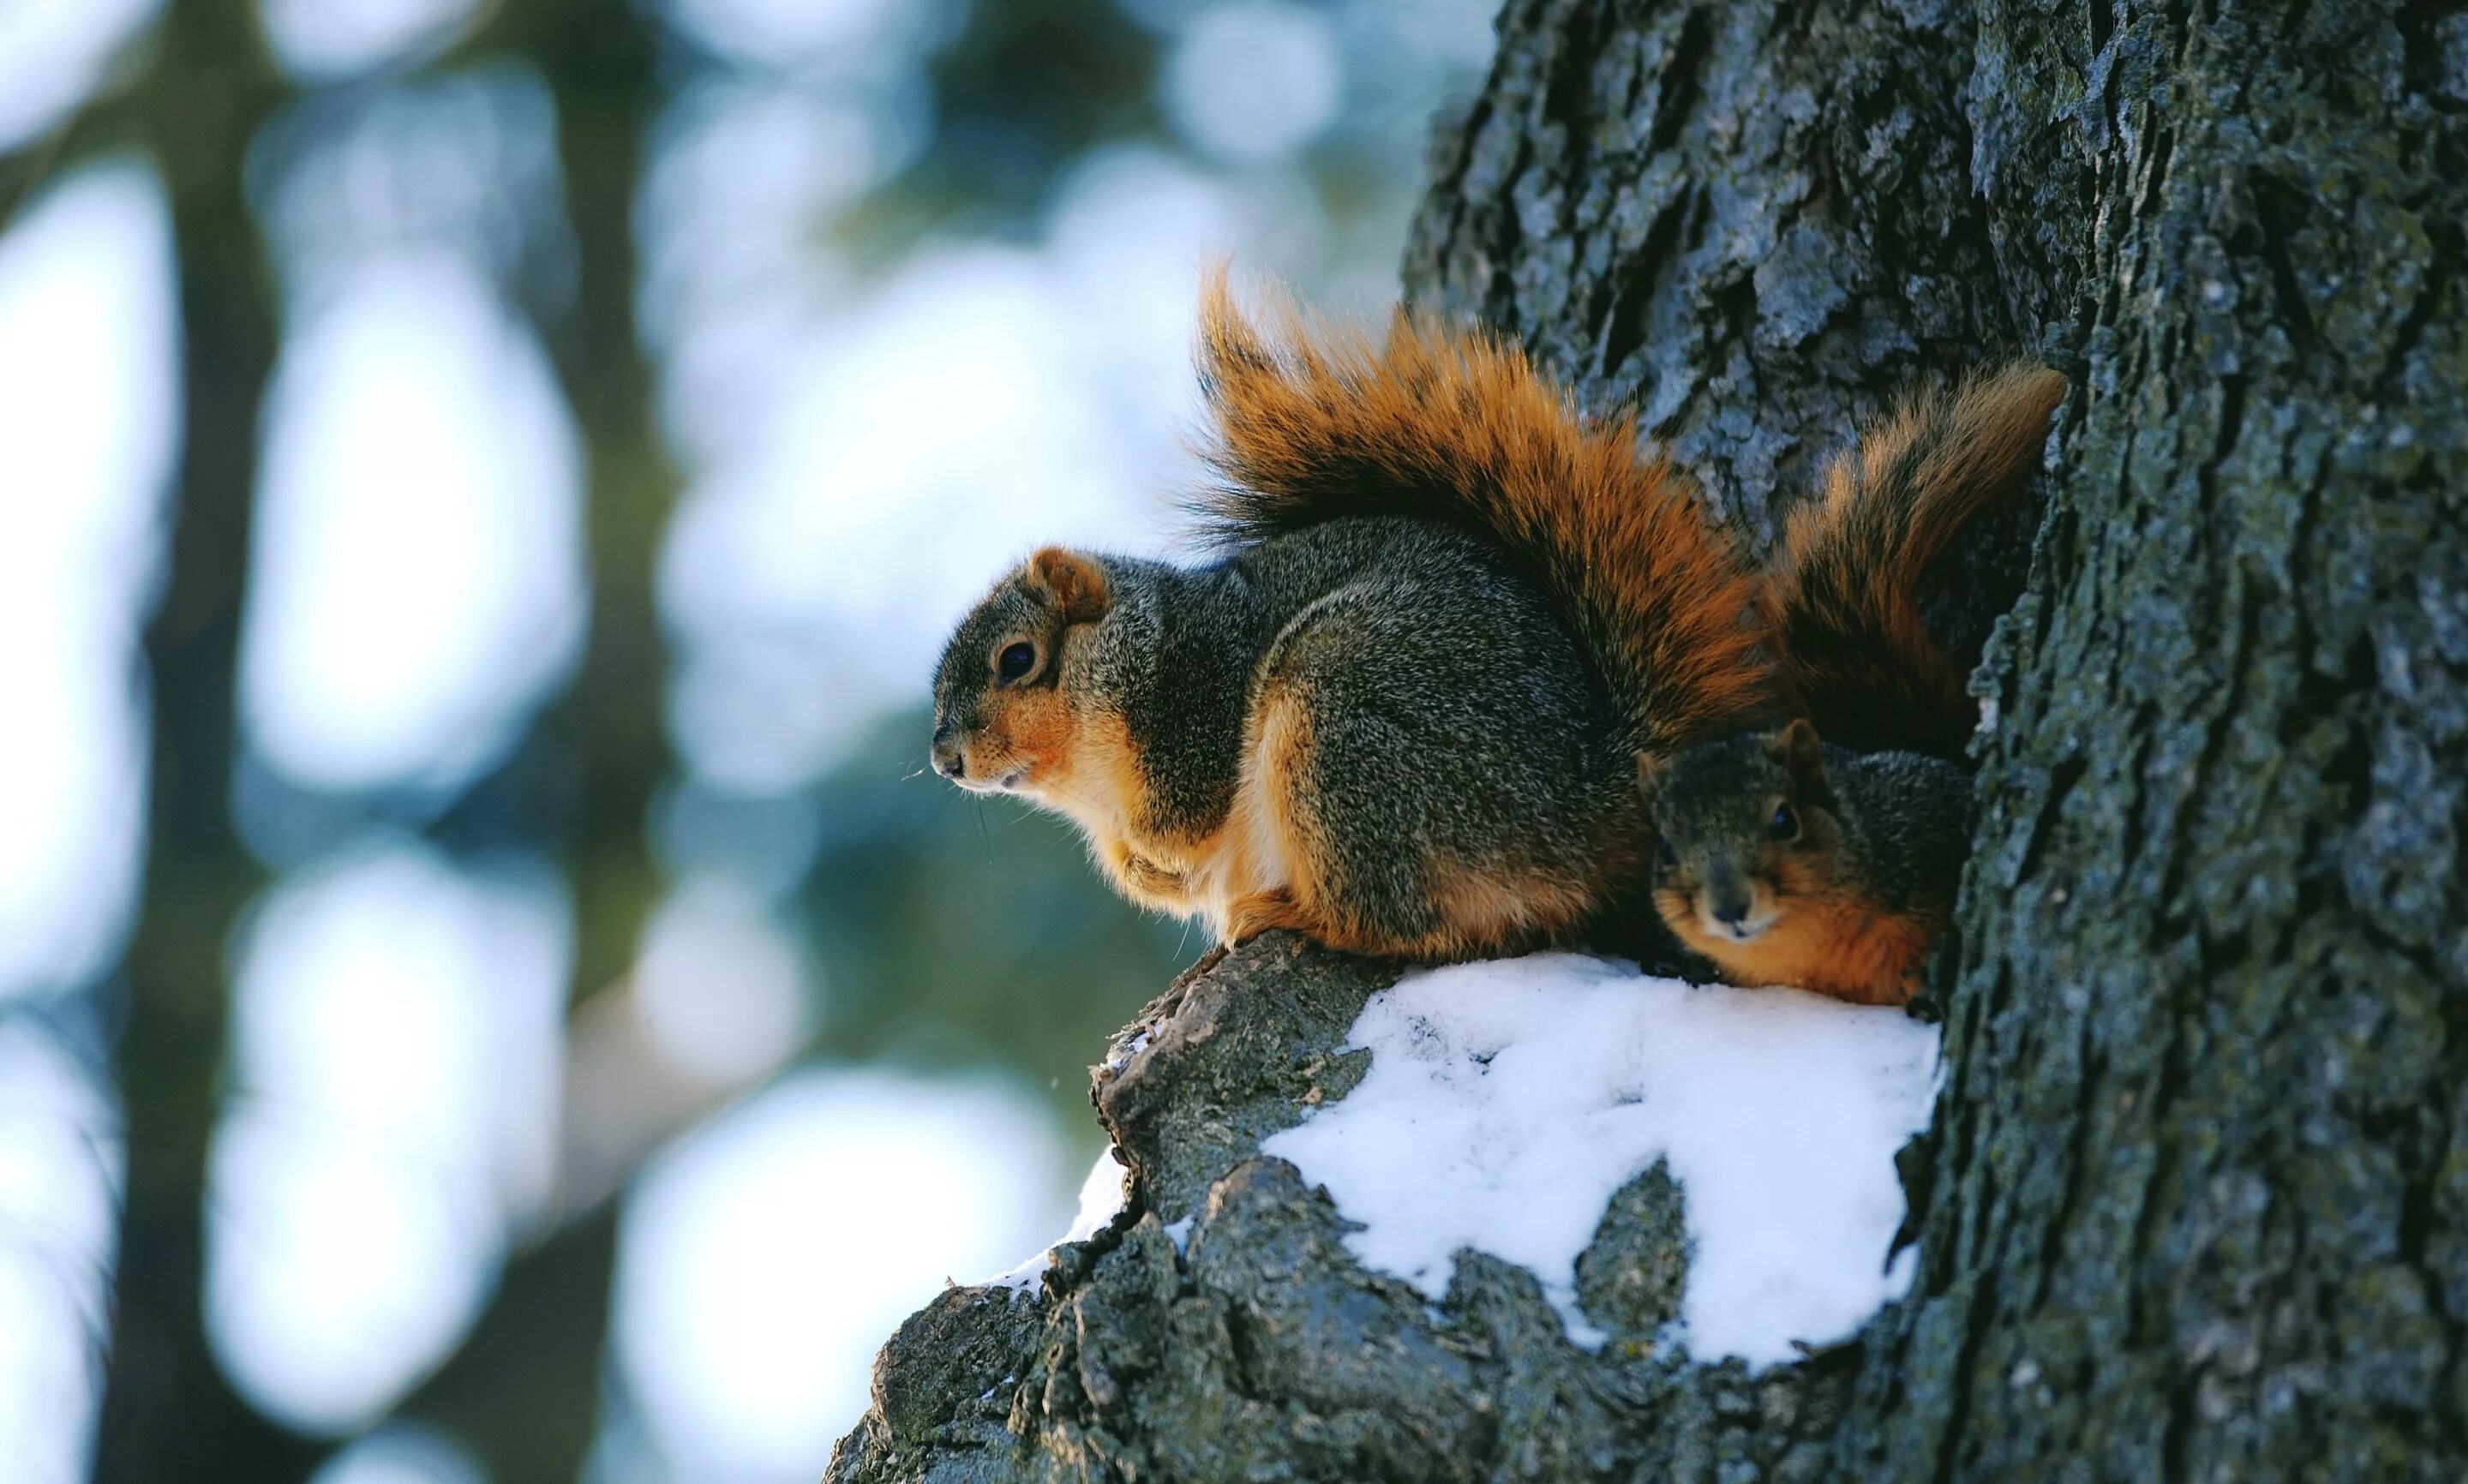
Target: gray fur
{"type": "Point", "coordinates": [1451, 710]}
{"type": "Point", "coordinates": [1894, 826]}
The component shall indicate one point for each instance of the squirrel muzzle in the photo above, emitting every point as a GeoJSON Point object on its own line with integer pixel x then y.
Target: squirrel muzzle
{"type": "Point", "coordinates": [1733, 904]}
{"type": "Point", "coordinates": [951, 754]}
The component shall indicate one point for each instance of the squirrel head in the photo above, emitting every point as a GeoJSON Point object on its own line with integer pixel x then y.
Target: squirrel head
{"type": "Point", "coordinates": [1747, 825]}
{"type": "Point", "coordinates": [1002, 716]}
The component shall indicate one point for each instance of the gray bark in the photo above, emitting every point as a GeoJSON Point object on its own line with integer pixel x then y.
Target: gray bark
{"type": "Point", "coordinates": [1261, 1350]}
{"type": "Point", "coordinates": [2195, 1203]}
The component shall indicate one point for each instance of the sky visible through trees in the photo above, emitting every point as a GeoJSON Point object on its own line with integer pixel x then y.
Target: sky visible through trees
{"type": "Point", "coordinates": [480, 490]}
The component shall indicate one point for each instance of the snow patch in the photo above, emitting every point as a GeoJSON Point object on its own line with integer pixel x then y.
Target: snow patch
{"type": "Point", "coordinates": [1508, 1101]}
{"type": "Point", "coordinates": [1101, 1200]}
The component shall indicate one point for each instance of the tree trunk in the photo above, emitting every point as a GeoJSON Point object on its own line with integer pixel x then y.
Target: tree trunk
{"type": "Point", "coordinates": [168, 1410]}
{"type": "Point", "coordinates": [2195, 1204]}
{"type": "Point", "coordinates": [524, 1389]}
{"type": "Point", "coordinates": [2202, 1203]}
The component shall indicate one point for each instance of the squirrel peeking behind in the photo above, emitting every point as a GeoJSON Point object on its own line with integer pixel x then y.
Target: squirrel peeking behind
{"type": "Point", "coordinates": [1784, 860]}
{"type": "Point", "coordinates": [1450, 627]}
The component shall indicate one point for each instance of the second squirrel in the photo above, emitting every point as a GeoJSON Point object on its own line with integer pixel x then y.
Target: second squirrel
{"type": "Point", "coordinates": [1783, 860]}
{"type": "Point", "coordinates": [1787, 860]}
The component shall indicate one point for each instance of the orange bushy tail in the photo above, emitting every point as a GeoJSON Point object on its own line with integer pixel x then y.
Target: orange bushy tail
{"type": "Point", "coordinates": [1456, 426]}
{"type": "Point", "coordinates": [1842, 602]}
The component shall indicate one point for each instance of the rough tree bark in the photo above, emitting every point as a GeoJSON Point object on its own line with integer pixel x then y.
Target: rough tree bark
{"type": "Point", "coordinates": [2195, 1203]}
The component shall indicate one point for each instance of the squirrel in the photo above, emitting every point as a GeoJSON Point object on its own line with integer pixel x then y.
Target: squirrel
{"type": "Point", "coordinates": [1788, 859]}
{"type": "Point", "coordinates": [1402, 711]}
{"type": "Point", "coordinates": [1453, 637]}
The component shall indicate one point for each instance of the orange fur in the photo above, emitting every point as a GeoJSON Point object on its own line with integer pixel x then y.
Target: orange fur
{"type": "Point", "coordinates": [1493, 907]}
{"type": "Point", "coordinates": [1235, 874]}
{"type": "Point", "coordinates": [1827, 936]}
{"type": "Point", "coordinates": [1267, 806]}
{"type": "Point", "coordinates": [1835, 946]}
{"type": "Point", "coordinates": [1266, 911]}
{"type": "Point", "coordinates": [1034, 728]}
{"type": "Point", "coordinates": [1272, 834]}
{"type": "Point", "coordinates": [1455, 426]}
{"type": "Point", "coordinates": [1146, 880]}
{"type": "Point", "coordinates": [1076, 584]}
{"type": "Point", "coordinates": [1482, 912]}
{"type": "Point", "coordinates": [1103, 790]}
{"type": "Point", "coordinates": [1840, 949]}
{"type": "Point", "coordinates": [1480, 908]}
{"type": "Point", "coordinates": [1842, 598]}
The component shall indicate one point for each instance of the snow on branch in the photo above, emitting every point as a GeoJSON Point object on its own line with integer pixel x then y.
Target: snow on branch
{"type": "Point", "coordinates": [1508, 1101]}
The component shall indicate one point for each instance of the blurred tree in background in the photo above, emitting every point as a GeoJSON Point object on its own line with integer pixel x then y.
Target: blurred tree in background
{"type": "Point", "coordinates": [682, 772]}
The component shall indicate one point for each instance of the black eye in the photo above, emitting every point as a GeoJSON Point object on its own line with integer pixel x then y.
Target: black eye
{"type": "Point", "coordinates": [1016, 661]}
{"type": "Point", "coordinates": [1664, 855]}
{"type": "Point", "coordinates": [1786, 823]}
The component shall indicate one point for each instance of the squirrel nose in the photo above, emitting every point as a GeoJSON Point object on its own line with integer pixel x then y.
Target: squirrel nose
{"type": "Point", "coordinates": [1729, 901]}
{"type": "Point", "coordinates": [949, 759]}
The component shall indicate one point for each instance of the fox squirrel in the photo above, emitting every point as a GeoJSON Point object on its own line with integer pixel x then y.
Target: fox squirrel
{"type": "Point", "coordinates": [1784, 860]}
{"type": "Point", "coordinates": [1449, 626]}
{"type": "Point", "coordinates": [1402, 711]}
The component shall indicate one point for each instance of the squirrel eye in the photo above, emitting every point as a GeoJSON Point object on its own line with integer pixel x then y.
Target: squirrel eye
{"type": "Point", "coordinates": [1664, 855]}
{"type": "Point", "coordinates": [1786, 823]}
{"type": "Point", "coordinates": [1016, 661]}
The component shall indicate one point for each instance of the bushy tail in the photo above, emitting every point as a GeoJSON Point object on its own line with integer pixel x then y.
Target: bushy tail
{"type": "Point", "coordinates": [1841, 600]}
{"type": "Point", "coordinates": [1440, 424]}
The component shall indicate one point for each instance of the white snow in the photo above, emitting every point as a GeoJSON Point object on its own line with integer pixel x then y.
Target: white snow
{"type": "Point", "coordinates": [1507, 1101]}
{"type": "Point", "coordinates": [1101, 1200]}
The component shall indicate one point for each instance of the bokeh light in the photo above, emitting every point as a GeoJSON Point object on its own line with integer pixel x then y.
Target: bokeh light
{"type": "Point", "coordinates": [60, 1167]}
{"type": "Point", "coordinates": [580, 905]}
{"type": "Point", "coordinates": [401, 1453]}
{"type": "Point", "coordinates": [393, 1061]}
{"type": "Point", "coordinates": [53, 53]}
{"type": "Point", "coordinates": [1255, 80]}
{"type": "Point", "coordinates": [418, 566]}
{"type": "Point", "coordinates": [319, 39]}
{"type": "Point", "coordinates": [722, 990]}
{"type": "Point", "coordinates": [86, 431]}
{"type": "Point", "coordinates": [766, 1256]}
{"type": "Point", "coordinates": [835, 34]}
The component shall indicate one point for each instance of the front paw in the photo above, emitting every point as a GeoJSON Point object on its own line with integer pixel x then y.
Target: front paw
{"type": "Point", "coordinates": [1266, 911]}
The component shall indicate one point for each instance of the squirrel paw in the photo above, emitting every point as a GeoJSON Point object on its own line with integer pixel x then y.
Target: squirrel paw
{"type": "Point", "coordinates": [1263, 911]}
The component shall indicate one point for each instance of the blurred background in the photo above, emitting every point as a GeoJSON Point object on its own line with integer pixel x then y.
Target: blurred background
{"type": "Point", "coordinates": [486, 992]}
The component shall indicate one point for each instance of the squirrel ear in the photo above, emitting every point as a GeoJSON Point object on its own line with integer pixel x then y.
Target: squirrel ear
{"type": "Point", "coordinates": [1076, 584]}
{"type": "Point", "coordinates": [1797, 748]}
